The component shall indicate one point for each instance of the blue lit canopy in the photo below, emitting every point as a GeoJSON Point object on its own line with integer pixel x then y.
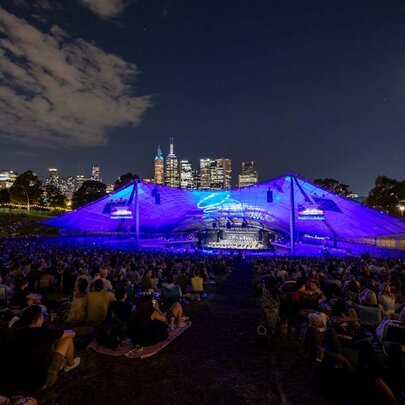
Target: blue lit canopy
{"type": "Point", "coordinates": [318, 212]}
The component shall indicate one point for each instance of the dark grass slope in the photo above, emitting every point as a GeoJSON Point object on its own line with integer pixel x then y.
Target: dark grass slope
{"type": "Point", "coordinates": [219, 360]}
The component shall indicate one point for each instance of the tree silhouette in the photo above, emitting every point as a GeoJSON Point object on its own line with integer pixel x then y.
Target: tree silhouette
{"type": "Point", "coordinates": [124, 179]}
{"type": "Point", "coordinates": [90, 190]}
{"type": "Point", "coordinates": [26, 189]}
{"type": "Point", "coordinates": [387, 195]}
{"type": "Point", "coordinates": [334, 185]}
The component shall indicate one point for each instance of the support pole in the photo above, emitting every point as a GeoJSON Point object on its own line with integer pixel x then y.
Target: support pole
{"type": "Point", "coordinates": [137, 214]}
{"type": "Point", "coordinates": [292, 216]}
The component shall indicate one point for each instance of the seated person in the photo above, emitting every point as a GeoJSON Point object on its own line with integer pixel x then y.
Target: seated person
{"type": "Point", "coordinates": [146, 283]}
{"type": "Point", "coordinates": [98, 303]}
{"type": "Point", "coordinates": [19, 298]}
{"type": "Point", "coordinates": [170, 293]}
{"type": "Point", "coordinates": [197, 283]}
{"type": "Point", "coordinates": [78, 310]}
{"type": "Point", "coordinates": [104, 273]}
{"type": "Point", "coordinates": [317, 333]}
{"type": "Point", "coordinates": [343, 319]}
{"type": "Point", "coordinates": [183, 280]}
{"type": "Point", "coordinates": [370, 312]}
{"type": "Point", "coordinates": [148, 325]}
{"type": "Point", "coordinates": [38, 353]}
{"type": "Point", "coordinates": [387, 301]}
{"type": "Point", "coordinates": [154, 281]}
{"type": "Point", "coordinates": [120, 309]}
{"type": "Point", "coordinates": [46, 281]}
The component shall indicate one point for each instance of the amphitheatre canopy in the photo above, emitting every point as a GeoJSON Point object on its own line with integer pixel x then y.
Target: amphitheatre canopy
{"type": "Point", "coordinates": [158, 209]}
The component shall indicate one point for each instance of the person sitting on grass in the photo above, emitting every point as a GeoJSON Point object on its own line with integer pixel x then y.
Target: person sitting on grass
{"type": "Point", "coordinates": [148, 325]}
{"type": "Point", "coordinates": [170, 293]}
{"type": "Point", "coordinates": [197, 284]}
{"type": "Point", "coordinates": [98, 303]}
{"type": "Point", "coordinates": [78, 309]}
{"type": "Point", "coordinates": [121, 308]}
{"type": "Point", "coordinates": [38, 353]}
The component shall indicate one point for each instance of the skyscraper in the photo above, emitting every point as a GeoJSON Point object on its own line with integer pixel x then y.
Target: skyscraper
{"type": "Point", "coordinates": [67, 186]}
{"type": "Point", "coordinates": [7, 178]}
{"type": "Point", "coordinates": [220, 174]}
{"type": "Point", "coordinates": [187, 180]}
{"type": "Point", "coordinates": [205, 174]}
{"type": "Point", "coordinates": [159, 177]}
{"type": "Point", "coordinates": [80, 179]}
{"type": "Point", "coordinates": [95, 174]}
{"type": "Point", "coordinates": [53, 178]}
{"type": "Point", "coordinates": [172, 175]}
{"type": "Point", "coordinates": [249, 175]}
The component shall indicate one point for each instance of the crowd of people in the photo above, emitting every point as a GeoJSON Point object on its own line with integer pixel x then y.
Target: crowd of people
{"type": "Point", "coordinates": [112, 295]}
{"type": "Point", "coordinates": [351, 316]}
{"type": "Point", "coordinates": [53, 296]}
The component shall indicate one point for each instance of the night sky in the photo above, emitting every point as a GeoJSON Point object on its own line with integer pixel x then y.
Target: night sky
{"type": "Point", "coordinates": [316, 87]}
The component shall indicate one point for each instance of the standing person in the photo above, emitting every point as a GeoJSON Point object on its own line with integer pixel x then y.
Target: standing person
{"type": "Point", "coordinates": [38, 353]}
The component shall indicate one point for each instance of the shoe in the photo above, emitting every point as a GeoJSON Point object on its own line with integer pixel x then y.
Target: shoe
{"type": "Point", "coordinates": [185, 318]}
{"type": "Point", "coordinates": [181, 324]}
{"type": "Point", "coordinates": [137, 348]}
{"type": "Point", "coordinates": [76, 362]}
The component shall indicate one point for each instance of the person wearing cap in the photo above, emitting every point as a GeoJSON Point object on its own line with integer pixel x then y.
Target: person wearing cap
{"type": "Point", "coordinates": [38, 353]}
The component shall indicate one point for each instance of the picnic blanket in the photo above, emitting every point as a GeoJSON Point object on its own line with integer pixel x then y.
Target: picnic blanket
{"type": "Point", "coordinates": [127, 349]}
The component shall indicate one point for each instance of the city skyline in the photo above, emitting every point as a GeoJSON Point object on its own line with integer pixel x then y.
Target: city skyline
{"type": "Point", "coordinates": [294, 87]}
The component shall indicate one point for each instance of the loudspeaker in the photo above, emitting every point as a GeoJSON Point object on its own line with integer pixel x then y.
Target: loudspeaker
{"type": "Point", "coordinates": [269, 196]}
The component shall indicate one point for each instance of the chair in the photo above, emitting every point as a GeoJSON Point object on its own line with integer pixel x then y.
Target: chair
{"type": "Point", "coordinates": [369, 316]}
{"type": "Point", "coordinates": [394, 332]}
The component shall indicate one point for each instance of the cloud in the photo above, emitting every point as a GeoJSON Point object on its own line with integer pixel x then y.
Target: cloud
{"type": "Point", "coordinates": [105, 8]}
{"type": "Point", "coordinates": [55, 90]}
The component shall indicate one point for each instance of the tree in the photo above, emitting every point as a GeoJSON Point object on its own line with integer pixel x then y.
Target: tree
{"type": "Point", "coordinates": [387, 195]}
{"type": "Point", "coordinates": [4, 196]}
{"type": "Point", "coordinates": [124, 179]}
{"type": "Point", "coordinates": [334, 185]}
{"type": "Point", "coordinates": [90, 190]}
{"type": "Point", "coordinates": [26, 189]}
{"type": "Point", "coordinates": [53, 197]}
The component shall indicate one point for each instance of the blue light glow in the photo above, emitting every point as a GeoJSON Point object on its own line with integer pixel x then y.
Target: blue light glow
{"type": "Point", "coordinates": [177, 209]}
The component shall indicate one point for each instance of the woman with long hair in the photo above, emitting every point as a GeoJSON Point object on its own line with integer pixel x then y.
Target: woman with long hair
{"type": "Point", "coordinates": [148, 325]}
{"type": "Point", "coordinates": [387, 300]}
{"type": "Point", "coordinates": [78, 310]}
